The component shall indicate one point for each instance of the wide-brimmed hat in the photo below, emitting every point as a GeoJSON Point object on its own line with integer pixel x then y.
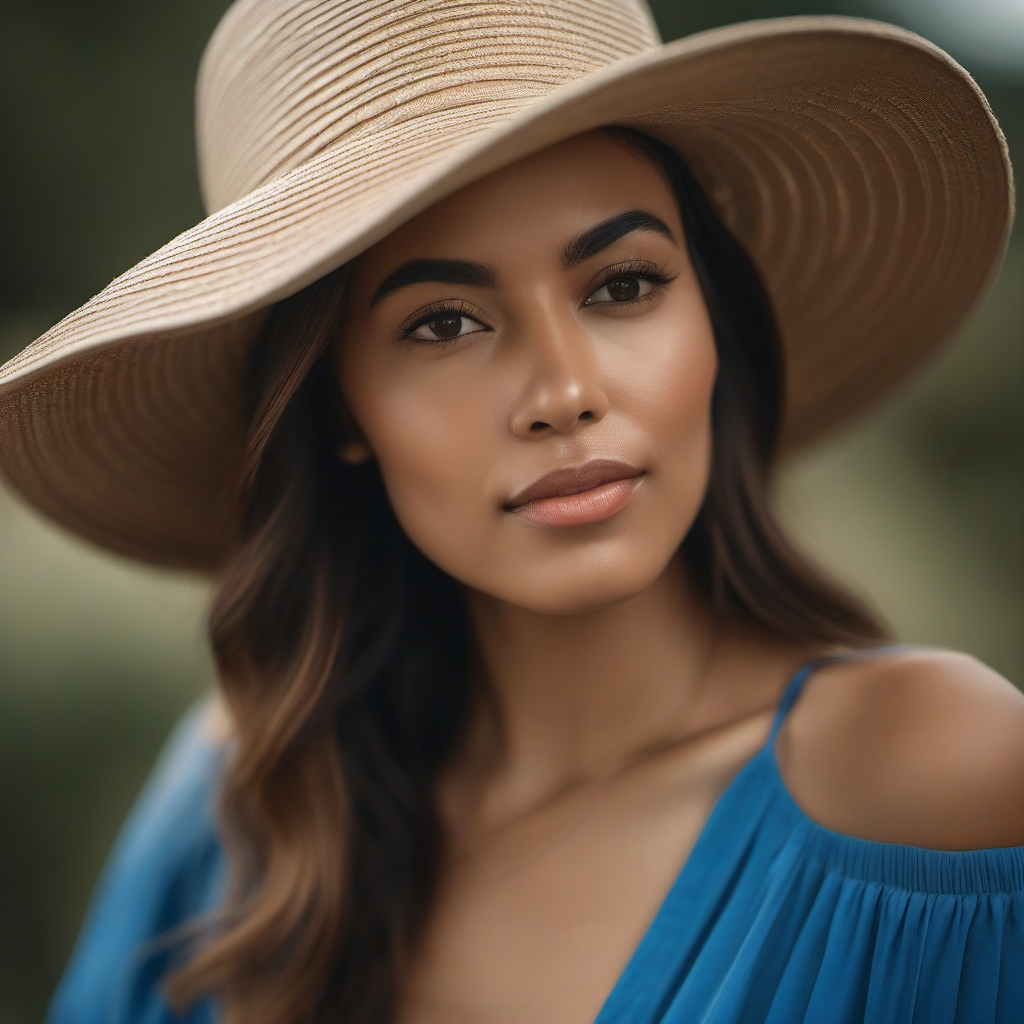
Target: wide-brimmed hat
{"type": "Point", "coordinates": [858, 163]}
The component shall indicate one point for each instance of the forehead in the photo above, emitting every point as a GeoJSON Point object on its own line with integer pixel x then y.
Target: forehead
{"type": "Point", "coordinates": [534, 204]}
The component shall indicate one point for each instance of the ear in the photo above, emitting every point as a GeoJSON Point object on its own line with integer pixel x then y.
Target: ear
{"type": "Point", "coordinates": [354, 451]}
{"type": "Point", "coordinates": [352, 447]}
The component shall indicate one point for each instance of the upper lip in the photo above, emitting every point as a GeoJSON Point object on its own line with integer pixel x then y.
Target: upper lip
{"type": "Point", "coordinates": [565, 480]}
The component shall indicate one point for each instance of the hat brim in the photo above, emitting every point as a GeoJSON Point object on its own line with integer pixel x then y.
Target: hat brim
{"type": "Point", "coordinates": [858, 163]}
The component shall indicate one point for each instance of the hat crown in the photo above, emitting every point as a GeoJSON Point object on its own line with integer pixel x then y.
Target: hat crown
{"type": "Point", "coordinates": [283, 80]}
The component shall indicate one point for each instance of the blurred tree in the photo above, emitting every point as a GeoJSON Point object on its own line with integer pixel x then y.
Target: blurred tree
{"type": "Point", "coordinates": [99, 159]}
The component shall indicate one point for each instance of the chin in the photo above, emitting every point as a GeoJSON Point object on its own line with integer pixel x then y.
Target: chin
{"type": "Point", "coordinates": [572, 589]}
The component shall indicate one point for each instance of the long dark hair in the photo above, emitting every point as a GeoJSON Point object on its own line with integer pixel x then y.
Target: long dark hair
{"type": "Point", "coordinates": [342, 651]}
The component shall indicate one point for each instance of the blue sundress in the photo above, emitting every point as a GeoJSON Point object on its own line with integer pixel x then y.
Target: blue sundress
{"type": "Point", "coordinates": [773, 919]}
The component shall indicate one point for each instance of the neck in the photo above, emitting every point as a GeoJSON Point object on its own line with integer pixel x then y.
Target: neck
{"type": "Point", "coordinates": [562, 692]}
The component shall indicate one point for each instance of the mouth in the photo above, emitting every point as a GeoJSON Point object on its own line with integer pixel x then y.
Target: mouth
{"type": "Point", "coordinates": [576, 495]}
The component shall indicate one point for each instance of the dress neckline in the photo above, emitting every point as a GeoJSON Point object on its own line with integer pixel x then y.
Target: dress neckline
{"type": "Point", "coordinates": [967, 872]}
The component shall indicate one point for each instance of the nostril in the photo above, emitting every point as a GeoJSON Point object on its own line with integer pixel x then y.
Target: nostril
{"type": "Point", "coordinates": [586, 415]}
{"type": "Point", "coordinates": [538, 426]}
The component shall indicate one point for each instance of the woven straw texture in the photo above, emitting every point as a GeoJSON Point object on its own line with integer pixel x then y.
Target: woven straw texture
{"type": "Point", "coordinates": [858, 163]}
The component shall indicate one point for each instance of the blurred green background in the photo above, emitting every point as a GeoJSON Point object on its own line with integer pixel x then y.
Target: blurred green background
{"type": "Point", "coordinates": [918, 506]}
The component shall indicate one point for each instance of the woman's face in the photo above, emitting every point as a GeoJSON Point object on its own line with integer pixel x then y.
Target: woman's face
{"type": "Point", "coordinates": [531, 363]}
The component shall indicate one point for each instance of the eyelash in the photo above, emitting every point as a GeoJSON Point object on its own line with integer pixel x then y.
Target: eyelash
{"type": "Point", "coordinates": [440, 308]}
{"type": "Point", "coordinates": [642, 270]}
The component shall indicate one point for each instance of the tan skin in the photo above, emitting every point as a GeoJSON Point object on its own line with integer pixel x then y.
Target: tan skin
{"type": "Point", "coordinates": [590, 637]}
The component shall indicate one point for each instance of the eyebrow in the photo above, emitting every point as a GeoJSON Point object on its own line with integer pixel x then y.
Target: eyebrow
{"type": "Point", "coordinates": [599, 237]}
{"type": "Point", "coordinates": [580, 248]}
{"type": "Point", "coordinates": [440, 271]}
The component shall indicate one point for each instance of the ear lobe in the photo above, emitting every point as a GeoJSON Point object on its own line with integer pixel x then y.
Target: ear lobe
{"type": "Point", "coordinates": [355, 451]}
{"type": "Point", "coordinates": [351, 447]}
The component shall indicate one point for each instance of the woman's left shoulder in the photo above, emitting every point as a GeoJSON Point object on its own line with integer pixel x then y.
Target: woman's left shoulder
{"type": "Point", "coordinates": [916, 746]}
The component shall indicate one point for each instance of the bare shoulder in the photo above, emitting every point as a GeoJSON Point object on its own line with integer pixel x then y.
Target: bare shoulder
{"type": "Point", "coordinates": [922, 747]}
{"type": "Point", "coordinates": [216, 724]}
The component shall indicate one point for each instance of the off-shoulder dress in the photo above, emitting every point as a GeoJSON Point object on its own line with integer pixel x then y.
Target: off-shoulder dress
{"type": "Point", "coordinates": [773, 918]}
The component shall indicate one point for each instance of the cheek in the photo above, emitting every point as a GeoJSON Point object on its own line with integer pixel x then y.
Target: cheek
{"type": "Point", "coordinates": [669, 393]}
{"type": "Point", "coordinates": [432, 443]}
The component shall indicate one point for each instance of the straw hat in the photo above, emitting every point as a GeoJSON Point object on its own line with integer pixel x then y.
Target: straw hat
{"type": "Point", "coordinates": [860, 165]}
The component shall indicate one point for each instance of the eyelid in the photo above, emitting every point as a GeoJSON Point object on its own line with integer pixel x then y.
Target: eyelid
{"type": "Point", "coordinates": [428, 312]}
{"type": "Point", "coordinates": [632, 267]}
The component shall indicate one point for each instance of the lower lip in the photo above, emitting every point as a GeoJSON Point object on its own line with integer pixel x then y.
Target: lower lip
{"type": "Point", "coordinates": [579, 509]}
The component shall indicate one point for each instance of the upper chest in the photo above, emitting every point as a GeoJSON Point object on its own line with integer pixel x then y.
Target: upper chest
{"type": "Point", "coordinates": [540, 921]}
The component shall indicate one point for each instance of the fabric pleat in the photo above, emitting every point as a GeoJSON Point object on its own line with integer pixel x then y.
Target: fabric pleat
{"type": "Point", "coordinates": [772, 920]}
{"type": "Point", "coordinates": [777, 920]}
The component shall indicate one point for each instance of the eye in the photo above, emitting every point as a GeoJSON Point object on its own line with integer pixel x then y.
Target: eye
{"type": "Point", "coordinates": [444, 325]}
{"type": "Point", "coordinates": [621, 288]}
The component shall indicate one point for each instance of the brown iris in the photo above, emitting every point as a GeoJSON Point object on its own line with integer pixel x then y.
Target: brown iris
{"type": "Point", "coordinates": [447, 325]}
{"type": "Point", "coordinates": [623, 289]}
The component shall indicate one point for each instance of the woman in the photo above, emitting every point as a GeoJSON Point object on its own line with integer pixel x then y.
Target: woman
{"type": "Point", "coordinates": [530, 712]}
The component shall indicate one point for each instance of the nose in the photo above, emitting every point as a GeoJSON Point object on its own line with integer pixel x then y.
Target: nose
{"type": "Point", "coordinates": [562, 388]}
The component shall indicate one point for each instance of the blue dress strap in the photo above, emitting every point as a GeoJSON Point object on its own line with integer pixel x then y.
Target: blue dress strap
{"type": "Point", "coordinates": [790, 694]}
{"type": "Point", "coordinates": [776, 919]}
{"type": "Point", "coordinates": [802, 674]}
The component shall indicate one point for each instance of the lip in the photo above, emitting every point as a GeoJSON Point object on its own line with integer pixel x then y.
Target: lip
{"type": "Point", "coordinates": [575, 495]}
